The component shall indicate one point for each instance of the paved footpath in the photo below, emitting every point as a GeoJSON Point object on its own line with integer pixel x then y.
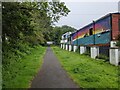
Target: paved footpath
{"type": "Point", "coordinates": [52, 74]}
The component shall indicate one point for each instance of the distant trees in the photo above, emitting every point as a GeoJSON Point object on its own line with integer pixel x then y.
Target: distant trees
{"type": "Point", "coordinates": [24, 26]}
{"type": "Point", "coordinates": [30, 22]}
{"type": "Point", "coordinates": [27, 24]}
{"type": "Point", "coordinates": [58, 31]}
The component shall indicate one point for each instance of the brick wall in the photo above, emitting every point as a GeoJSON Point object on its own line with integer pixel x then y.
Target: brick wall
{"type": "Point", "coordinates": [115, 26]}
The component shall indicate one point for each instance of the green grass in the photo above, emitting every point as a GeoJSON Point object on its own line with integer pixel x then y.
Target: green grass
{"type": "Point", "coordinates": [20, 73]}
{"type": "Point", "coordinates": [87, 72]}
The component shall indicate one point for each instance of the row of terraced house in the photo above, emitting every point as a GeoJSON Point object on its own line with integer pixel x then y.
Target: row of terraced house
{"type": "Point", "coordinates": [98, 37]}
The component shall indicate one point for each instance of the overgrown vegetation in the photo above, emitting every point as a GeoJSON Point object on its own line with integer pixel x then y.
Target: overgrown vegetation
{"type": "Point", "coordinates": [118, 43]}
{"type": "Point", "coordinates": [30, 22]}
{"type": "Point", "coordinates": [25, 26]}
{"type": "Point", "coordinates": [102, 56]}
{"type": "Point", "coordinates": [87, 72]}
{"type": "Point", "coordinates": [87, 53]}
{"type": "Point", "coordinates": [78, 49]}
{"type": "Point", "coordinates": [21, 68]}
{"type": "Point", "coordinates": [58, 31]}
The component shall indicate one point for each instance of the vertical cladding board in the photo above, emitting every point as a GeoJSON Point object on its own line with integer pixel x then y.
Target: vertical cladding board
{"type": "Point", "coordinates": [101, 26]}
{"type": "Point", "coordinates": [83, 35]}
{"type": "Point", "coordinates": [74, 38]}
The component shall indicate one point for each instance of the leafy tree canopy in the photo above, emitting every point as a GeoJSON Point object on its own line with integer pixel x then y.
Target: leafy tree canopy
{"type": "Point", "coordinates": [30, 21]}
{"type": "Point", "coordinates": [58, 31]}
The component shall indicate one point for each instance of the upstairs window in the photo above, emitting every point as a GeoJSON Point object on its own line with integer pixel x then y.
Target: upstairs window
{"type": "Point", "coordinates": [91, 31]}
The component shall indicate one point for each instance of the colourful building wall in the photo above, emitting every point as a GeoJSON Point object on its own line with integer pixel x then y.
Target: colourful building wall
{"type": "Point", "coordinates": [101, 33]}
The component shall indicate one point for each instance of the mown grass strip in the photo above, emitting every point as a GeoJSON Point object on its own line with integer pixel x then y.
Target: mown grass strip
{"type": "Point", "coordinates": [87, 72]}
{"type": "Point", "coordinates": [20, 73]}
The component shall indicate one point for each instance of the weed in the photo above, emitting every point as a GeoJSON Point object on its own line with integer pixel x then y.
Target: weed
{"type": "Point", "coordinates": [19, 68]}
{"type": "Point", "coordinates": [102, 56]}
{"type": "Point", "coordinates": [87, 53]}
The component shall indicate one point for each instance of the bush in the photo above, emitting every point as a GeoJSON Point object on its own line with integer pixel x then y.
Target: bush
{"type": "Point", "coordinates": [102, 56]}
{"type": "Point", "coordinates": [87, 53]}
{"type": "Point", "coordinates": [118, 43]}
{"type": "Point", "coordinates": [78, 49]}
{"type": "Point", "coordinates": [72, 48]}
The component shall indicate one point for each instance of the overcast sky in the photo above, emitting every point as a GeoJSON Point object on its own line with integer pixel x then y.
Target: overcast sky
{"type": "Point", "coordinates": [84, 12]}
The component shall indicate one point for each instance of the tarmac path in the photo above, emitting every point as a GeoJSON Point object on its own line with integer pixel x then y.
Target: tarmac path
{"type": "Point", "coordinates": [51, 74]}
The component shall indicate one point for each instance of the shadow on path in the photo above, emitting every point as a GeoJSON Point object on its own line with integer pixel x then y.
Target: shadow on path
{"type": "Point", "coordinates": [51, 74]}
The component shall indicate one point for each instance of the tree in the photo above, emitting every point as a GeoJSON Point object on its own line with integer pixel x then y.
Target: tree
{"type": "Point", "coordinates": [30, 21]}
{"type": "Point", "coordinates": [26, 24]}
{"type": "Point", "coordinates": [58, 31]}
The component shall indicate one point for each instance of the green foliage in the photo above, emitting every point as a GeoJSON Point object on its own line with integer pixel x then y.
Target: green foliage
{"type": "Point", "coordinates": [26, 25]}
{"type": "Point", "coordinates": [102, 56]}
{"type": "Point", "coordinates": [30, 21]}
{"type": "Point", "coordinates": [87, 53]}
{"type": "Point", "coordinates": [21, 71]}
{"type": "Point", "coordinates": [58, 31]}
{"type": "Point", "coordinates": [88, 72]}
{"type": "Point", "coordinates": [118, 43]}
{"type": "Point", "coordinates": [78, 49]}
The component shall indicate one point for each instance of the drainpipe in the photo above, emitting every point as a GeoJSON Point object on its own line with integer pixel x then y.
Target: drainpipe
{"type": "Point", "coordinates": [94, 32]}
{"type": "Point", "coordinates": [77, 37]}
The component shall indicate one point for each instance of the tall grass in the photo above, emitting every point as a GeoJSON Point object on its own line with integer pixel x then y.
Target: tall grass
{"type": "Point", "coordinates": [87, 72]}
{"type": "Point", "coordinates": [21, 65]}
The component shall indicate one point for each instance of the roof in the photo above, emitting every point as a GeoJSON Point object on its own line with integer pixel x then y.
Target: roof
{"type": "Point", "coordinates": [96, 21]}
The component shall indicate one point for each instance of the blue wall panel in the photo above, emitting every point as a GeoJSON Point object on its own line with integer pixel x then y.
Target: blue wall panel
{"type": "Point", "coordinates": [74, 42]}
{"type": "Point", "coordinates": [101, 38]}
{"type": "Point", "coordinates": [86, 40]}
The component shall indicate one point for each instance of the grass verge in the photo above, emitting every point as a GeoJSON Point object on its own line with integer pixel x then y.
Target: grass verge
{"type": "Point", "coordinates": [87, 72]}
{"type": "Point", "coordinates": [20, 73]}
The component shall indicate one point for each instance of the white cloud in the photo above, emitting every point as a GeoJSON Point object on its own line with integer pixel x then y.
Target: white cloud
{"type": "Point", "coordinates": [89, 0]}
{"type": "Point", "coordinates": [83, 13]}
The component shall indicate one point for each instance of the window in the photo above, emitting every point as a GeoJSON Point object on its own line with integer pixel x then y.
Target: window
{"type": "Point", "coordinates": [91, 31]}
{"type": "Point", "coordinates": [64, 37]}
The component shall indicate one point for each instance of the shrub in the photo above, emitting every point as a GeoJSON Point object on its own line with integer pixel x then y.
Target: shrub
{"type": "Point", "coordinates": [72, 48]}
{"type": "Point", "coordinates": [87, 53]}
{"type": "Point", "coordinates": [78, 49]}
{"type": "Point", "coordinates": [102, 56]}
{"type": "Point", "coordinates": [118, 43]}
